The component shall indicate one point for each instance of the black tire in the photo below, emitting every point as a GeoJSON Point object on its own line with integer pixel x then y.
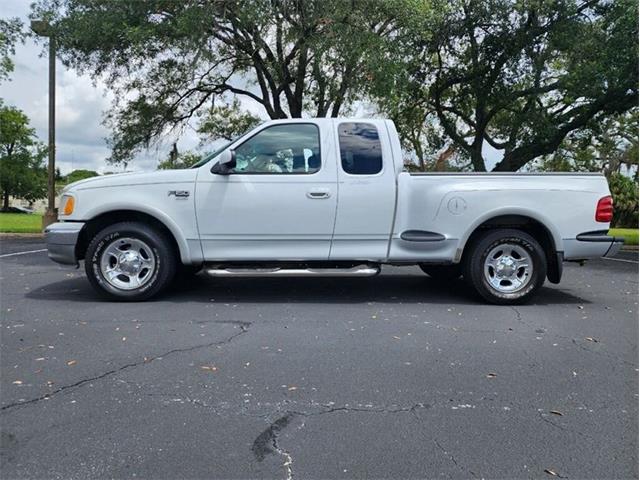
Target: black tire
{"type": "Point", "coordinates": [474, 266]}
{"type": "Point", "coordinates": [160, 247]}
{"type": "Point", "coordinates": [445, 273]}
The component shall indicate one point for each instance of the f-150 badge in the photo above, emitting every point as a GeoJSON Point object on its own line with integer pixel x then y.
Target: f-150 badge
{"type": "Point", "coordinates": [179, 193]}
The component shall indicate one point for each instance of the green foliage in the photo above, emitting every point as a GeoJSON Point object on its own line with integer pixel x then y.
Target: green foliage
{"type": "Point", "coordinates": [226, 122]}
{"type": "Point", "coordinates": [183, 160]}
{"type": "Point", "coordinates": [625, 200]}
{"type": "Point", "coordinates": [607, 146]}
{"type": "Point", "coordinates": [22, 173]}
{"type": "Point", "coordinates": [10, 34]}
{"type": "Point", "coordinates": [169, 61]}
{"type": "Point", "coordinates": [77, 175]}
{"type": "Point", "coordinates": [520, 75]}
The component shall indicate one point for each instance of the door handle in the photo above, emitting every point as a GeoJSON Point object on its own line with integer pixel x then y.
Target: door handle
{"type": "Point", "coordinates": [318, 193]}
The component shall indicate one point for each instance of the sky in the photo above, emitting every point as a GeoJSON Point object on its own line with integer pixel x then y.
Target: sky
{"type": "Point", "coordinates": [80, 135]}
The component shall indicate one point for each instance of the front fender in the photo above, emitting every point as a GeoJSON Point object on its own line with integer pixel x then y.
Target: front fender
{"type": "Point", "coordinates": [189, 254]}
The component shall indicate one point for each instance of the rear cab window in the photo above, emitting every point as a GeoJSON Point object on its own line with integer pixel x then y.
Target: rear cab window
{"type": "Point", "coordinates": [360, 148]}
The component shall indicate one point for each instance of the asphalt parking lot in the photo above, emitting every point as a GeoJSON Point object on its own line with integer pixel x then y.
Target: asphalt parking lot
{"type": "Point", "coordinates": [392, 376]}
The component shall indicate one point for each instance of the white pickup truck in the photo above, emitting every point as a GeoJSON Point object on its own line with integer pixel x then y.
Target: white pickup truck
{"type": "Point", "coordinates": [329, 197]}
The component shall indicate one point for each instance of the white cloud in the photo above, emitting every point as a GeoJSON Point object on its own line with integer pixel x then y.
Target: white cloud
{"type": "Point", "coordinates": [80, 105]}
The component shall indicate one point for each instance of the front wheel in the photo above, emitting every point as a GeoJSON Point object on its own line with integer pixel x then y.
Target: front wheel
{"type": "Point", "coordinates": [130, 261]}
{"type": "Point", "coordinates": [505, 266]}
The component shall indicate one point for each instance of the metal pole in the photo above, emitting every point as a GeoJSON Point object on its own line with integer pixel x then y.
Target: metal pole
{"type": "Point", "coordinates": [51, 214]}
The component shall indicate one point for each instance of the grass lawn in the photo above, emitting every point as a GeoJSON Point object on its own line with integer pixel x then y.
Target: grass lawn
{"type": "Point", "coordinates": [20, 223]}
{"type": "Point", "coordinates": [630, 235]}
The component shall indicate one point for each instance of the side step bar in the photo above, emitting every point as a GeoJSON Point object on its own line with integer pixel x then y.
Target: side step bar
{"type": "Point", "coordinates": [357, 271]}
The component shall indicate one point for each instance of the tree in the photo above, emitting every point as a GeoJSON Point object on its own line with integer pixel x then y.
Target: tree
{"type": "Point", "coordinates": [10, 34]}
{"type": "Point", "coordinates": [183, 160]}
{"type": "Point", "coordinates": [522, 75]}
{"type": "Point", "coordinates": [605, 146]}
{"type": "Point", "coordinates": [226, 122]}
{"type": "Point", "coordinates": [168, 61]}
{"type": "Point", "coordinates": [80, 174]}
{"type": "Point", "coordinates": [22, 172]}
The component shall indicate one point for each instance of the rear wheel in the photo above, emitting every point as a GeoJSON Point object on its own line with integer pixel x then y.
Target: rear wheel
{"type": "Point", "coordinates": [130, 261]}
{"type": "Point", "coordinates": [442, 272]}
{"type": "Point", "coordinates": [505, 266]}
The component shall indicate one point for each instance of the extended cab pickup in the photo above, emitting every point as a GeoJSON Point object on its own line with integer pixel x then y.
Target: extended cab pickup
{"type": "Point", "coordinates": [326, 197]}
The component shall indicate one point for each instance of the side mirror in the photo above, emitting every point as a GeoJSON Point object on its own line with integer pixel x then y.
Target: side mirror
{"type": "Point", "coordinates": [226, 164]}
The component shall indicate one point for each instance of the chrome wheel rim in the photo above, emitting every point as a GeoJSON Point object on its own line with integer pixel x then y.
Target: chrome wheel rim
{"type": "Point", "coordinates": [127, 263]}
{"type": "Point", "coordinates": [508, 268]}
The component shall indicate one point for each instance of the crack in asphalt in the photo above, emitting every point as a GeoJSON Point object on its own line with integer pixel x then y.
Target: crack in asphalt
{"type": "Point", "coordinates": [244, 328]}
{"type": "Point", "coordinates": [267, 443]}
{"type": "Point", "coordinates": [453, 458]}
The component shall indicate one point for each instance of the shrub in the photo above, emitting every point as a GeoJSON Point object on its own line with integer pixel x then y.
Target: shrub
{"type": "Point", "coordinates": [625, 200]}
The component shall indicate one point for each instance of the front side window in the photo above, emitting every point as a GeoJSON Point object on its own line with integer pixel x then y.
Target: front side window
{"type": "Point", "coordinates": [281, 149]}
{"type": "Point", "coordinates": [360, 149]}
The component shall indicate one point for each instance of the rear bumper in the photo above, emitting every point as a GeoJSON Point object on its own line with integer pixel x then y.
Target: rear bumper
{"type": "Point", "coordinates": [592, 245]}
{"type": "Point", "coordinates": [61, 240]}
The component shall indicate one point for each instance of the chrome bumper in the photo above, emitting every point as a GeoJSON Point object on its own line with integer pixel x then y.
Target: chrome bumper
{"type": "Point", "coordinates": [61, 240]}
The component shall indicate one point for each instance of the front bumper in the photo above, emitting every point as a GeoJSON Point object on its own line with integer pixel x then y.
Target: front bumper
{"type": "Point", "coordinates": [61, 240]}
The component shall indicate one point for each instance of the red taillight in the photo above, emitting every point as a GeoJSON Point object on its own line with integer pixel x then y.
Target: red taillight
{"type": "Point", "coordinates": [604, 210]}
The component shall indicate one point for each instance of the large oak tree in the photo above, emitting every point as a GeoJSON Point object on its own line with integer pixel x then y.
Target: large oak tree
{"type": "Point", "coordinates": [169, 61]}
{"type": "Point", "coordinates": [521, 75]}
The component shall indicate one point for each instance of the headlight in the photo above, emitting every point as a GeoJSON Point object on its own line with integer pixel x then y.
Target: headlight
{"type": "Point", "coordinates": [67, 203]}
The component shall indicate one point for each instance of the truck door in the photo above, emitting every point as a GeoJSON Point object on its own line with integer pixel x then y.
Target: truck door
{"type": "Point", "coordinates": [279, 202]}
{"type": "Point", "coordinates": [366, 191]}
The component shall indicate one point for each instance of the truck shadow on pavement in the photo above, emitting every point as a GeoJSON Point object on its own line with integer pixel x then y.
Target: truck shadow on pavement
{"type": "Point", "coordinates": [394, 288]}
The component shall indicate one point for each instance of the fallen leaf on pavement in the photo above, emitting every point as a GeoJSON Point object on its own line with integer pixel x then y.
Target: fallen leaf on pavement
{"type": "Point", "coordinates": [550, 472]}
{"type": "Point", "coordinates": [209, 368]}
{"type": "Point", "coordinates": [292, 388]}
{"type": "Point", "coordinates": [71, 362]}
{"type": "Point", "coordinates": [491, 375]}
{"type": "Point", "coordinates": [591, 339]}
{"type": "Point", "coordinates": [396, 337]}
{"type": "Point", "coordinates": [556, 412]}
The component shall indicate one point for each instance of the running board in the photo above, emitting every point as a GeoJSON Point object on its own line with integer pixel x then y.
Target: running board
{"type": "Point", "coordinates": [357, 271]}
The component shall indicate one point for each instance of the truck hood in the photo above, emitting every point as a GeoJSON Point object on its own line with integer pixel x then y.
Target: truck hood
{"type": "Point", "coordinates": [134, 178]}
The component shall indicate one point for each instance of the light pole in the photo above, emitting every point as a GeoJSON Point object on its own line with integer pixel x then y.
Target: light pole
{"type": "Point", "coordinates": [42, 28]}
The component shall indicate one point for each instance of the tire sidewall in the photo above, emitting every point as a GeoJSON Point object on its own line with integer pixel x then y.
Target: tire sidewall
{"type": "Point", "coordinates": [159, 249]}
{"type": "Point", "coordinates": [494, 239]}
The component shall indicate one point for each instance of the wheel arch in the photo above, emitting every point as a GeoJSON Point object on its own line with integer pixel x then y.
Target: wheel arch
{"type": "Point", "coordinates": [532, 223]}
{"type": "Point", "coordinates": [109, 217]}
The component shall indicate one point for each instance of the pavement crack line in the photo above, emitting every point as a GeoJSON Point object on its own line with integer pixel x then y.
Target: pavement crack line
{"type": "Point", "coordinates": [244, 328]}
{"type": "Point", "coordinates": [452, 457]}
{"type": "Point", "coordinates": [267, 443]}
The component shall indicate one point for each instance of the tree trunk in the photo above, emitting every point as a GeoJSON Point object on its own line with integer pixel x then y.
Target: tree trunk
{"type": "Point", "coordinates": [5, 200]}
{"type": "Point", "coordinates": [476, 156]}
